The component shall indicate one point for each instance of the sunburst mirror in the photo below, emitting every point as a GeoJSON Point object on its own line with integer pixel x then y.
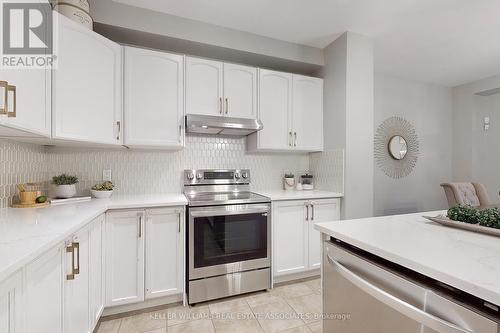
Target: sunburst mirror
{"type": "Point", "coordinates": [396, 147]}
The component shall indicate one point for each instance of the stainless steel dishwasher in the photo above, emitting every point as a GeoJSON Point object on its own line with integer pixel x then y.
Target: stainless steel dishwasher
{"type": "Point", "coordinates": [364, 294]}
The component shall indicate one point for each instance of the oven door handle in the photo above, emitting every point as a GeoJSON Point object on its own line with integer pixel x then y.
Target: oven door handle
{"type": "Point", "coordinates": [223, 211]}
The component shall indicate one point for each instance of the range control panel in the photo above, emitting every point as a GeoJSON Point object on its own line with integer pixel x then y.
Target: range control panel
{"type": "Point", "coordinates": [216, 177]}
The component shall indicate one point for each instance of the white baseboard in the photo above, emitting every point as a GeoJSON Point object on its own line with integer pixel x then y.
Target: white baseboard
{"type": "Point", "coordinates": [296, 276]}
{"type": "Point", "coordinates": [137, 307]}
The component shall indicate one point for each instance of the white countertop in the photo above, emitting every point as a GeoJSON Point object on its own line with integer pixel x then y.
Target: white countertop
{"type": "Point", "coordinates": [462, 259]}
{"type": "Point", "coordinates": [27, 233]}
{"type": "Point", "coordinates": [281, 195]}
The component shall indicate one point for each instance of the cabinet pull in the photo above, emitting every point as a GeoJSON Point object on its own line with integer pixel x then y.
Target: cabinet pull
{"type": "Point", "coordinates": [312, 212]}
{"type": "Point", "coordinates": [227, 106]}
{"type": "Point", "coordinates": [221, 111]}
{"type": "Point", "coordinates": [3, 97]}
{"type": "Point", "coordinates": [179, 223]}
{"type": "Point", "coordinates": [295, 142]}
{"type": "Point", "coordinates": [140, 225]}
{"type": "Point", "coordinates": [71, 249]}
{"type": "Point", "coordinates": [76, 246]}
{"type": "Point", "coordinates": [290, 139]}
{"type": "Point", "coordinates": [307, 214]}
{"type": "Point", "coordinates": [118, 123]}
{"type": "Point", "coordinates": [11, 89]}
{"type": "Point", "coordinates": [180, 133]}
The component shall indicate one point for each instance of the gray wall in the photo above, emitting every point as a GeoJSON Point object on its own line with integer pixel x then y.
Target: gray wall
{"type": "Point", "coordinates": [429, 108]}
{"type": "Point", "coordinates": [476, 153]}
{"type": "Point", "coordinates": [348, 125]}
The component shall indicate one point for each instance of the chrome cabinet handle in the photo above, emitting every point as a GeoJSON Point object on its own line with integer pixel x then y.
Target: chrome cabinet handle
{"type": "Point", "coordinates": [295, 142]}
{"type": "Point", "coordinates": [76, 246]}
{"type": "Point", "coordinates": [307, 214]}
{"type": "Point", "coordinates": [118, 123]}
{"type": "Point", "coordinates": [180, 133]}
{"type": "Point", "coordinates": [71, 249]}
{"type": "Point", "coordinates": [221, 111]}
{"type": "Point", "coordinates": [227, 106]}
{"type": "Point", "coordinates": [11, 89]}
{"type": "Point", "coordinates": [290, 139]}
{"type": "Point", "coordinates": [179, 223]}
{"type": "Point", "coordinates": [397, 304]}
{"type": "Point", "coordinates": [4, 97]}
{"type": "Point", "coordinates": [312, 212]}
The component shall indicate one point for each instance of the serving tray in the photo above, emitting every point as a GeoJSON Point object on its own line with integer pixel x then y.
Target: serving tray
{"type": "Point", "coordinates": [441, 219]}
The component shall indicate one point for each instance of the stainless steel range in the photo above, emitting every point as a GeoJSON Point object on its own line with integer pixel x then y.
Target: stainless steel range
{"type": "Point", "coordinates": [229, 235]}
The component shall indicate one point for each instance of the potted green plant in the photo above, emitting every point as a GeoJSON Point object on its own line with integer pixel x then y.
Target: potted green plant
{"type": "Point", "coordinates": [64, 186]}
{"type": "Point", "coordinates": [102, 190]}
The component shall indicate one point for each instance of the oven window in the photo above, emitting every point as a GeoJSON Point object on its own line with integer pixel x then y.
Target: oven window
{"type": "Point", "coordinates": [226, 239]}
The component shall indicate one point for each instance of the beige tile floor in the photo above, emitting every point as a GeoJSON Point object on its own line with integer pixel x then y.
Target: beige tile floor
{"type": "Point", "coordinates": [290, 308]}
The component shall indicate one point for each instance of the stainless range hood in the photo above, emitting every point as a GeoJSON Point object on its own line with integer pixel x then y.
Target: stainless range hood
{"type": "Point", "coordinates": [202, 124]}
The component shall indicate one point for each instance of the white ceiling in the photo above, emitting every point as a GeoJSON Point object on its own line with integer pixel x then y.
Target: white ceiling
{"type": "Point", "coordinates": [447, 42]}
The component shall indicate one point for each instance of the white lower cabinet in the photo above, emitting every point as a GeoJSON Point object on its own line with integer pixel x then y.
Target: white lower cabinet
{"type": "Point", "coordinates": [164, 252]}
{"type": "Point", "coordinates": [296, 245]}
{"type": "Point", "coordinates": [96, 283]}
{"type": "Point", "coordinates": [43, 310]}
{"type": "Point", "coordinates": [11, 304]}
{"type": "Point", "coordinates": [124, 257]}
{"type": "Point", "coordinates": [76, 284]}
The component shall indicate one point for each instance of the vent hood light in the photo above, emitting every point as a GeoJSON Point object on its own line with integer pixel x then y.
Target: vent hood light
{"type": "Point", "coordinates": [216, 125]}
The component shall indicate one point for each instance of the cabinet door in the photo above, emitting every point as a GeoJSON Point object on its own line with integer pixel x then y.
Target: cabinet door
{"type": "Point", "coordinates": [44, 286]}
{"type": "Point", "coordinates": [11, 306]}
{"type": "Point", "coordinates": [240, 91]}
{"type": "Point", "coordinates": [76, 288]}
{"type": "Point", "coordinates": [320, 211]}
{"type": "Point", "coordinates": [164, 252]}
{"type": "Point", "coordinates": [32, 100]}
{"type": "Point", "coordinates": [96, 265]}
{"type": "Point", "coordinates": [154, 98]}
{"type": "Point", "coordinates": [87, 86]}
{"type": "Point", "coordinates": [204, 87]}
{"type": "Point", "coordinates": [307, 113]}
{"type": "Point", "coordinates": [275, 98]}
{"type": "Point", "coordinates": [290, 240]}
{"type": "Point", "coordinates": [124, 257]}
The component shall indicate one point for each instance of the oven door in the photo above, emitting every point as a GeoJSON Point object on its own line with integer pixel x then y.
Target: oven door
{"type": "Point", "coordinates": [228, 239]}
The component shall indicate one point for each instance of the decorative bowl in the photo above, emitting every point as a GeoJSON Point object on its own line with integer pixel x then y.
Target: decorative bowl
{"type": "Point", "coordinates": [101, 194]}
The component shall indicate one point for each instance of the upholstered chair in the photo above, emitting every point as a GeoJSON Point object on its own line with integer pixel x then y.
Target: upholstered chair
{"type": "Point", "coordinates": [472, 194]}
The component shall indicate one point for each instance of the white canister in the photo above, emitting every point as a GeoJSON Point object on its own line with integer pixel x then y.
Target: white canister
{"type": "Point", "coordinates": [75, 14]}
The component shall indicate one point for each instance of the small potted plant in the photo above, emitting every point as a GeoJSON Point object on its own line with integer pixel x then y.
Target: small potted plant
{"type": "Point", "coordinates": [64, 186]}
{"type": "Point", "coordinates": [289, 181]}
{"type": "Point", "coordinates": [102, 190]}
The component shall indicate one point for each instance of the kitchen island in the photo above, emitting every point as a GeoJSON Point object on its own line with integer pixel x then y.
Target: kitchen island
{"type": "Point", "coordinates": [403, 261]}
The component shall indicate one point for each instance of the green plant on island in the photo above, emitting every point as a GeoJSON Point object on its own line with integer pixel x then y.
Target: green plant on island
{"type": "Point", "coordinates": [64, 179]}
{"type": "Point", "coordinates": [487, 218]}
{"type": "Point", "coordinates": [106, 186]}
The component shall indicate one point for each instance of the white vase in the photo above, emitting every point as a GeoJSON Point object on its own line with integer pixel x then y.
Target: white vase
{"type": "Point", "coordinates": [65, 191]}
{"type": "Point", "coordinates": [101, 194]}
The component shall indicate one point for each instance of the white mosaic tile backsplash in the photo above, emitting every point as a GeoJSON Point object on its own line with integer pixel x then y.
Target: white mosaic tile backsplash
{"type": "Point", "coordinates": [19, 163]}
{"type": "Point", "coordinates": [328, 170]}
{"type": "Point", "coordinates": [157, 172]}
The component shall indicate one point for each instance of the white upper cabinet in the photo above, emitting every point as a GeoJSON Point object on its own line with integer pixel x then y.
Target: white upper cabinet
{"type": "Point", "coordinates": [275, 106]}
{"type": "Point", "coordinates": [307, 113]}
{"type": "Point", "coordinates": [291, 109]}
{"type": "Point", "coordinates": [240, 91]}
{"type": "Point", "coordinates": [87, 86]}
{"type": "Point", "coordinates": [154, 98]}
{"type": "Point", "coordinates": [124, 257]}
{"type": "Point", "coordinates": [204, 87]}
{"type": "Point", "coordinates": [29, 108]}
{"type": "Point", "coordinates": [164, 252]}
